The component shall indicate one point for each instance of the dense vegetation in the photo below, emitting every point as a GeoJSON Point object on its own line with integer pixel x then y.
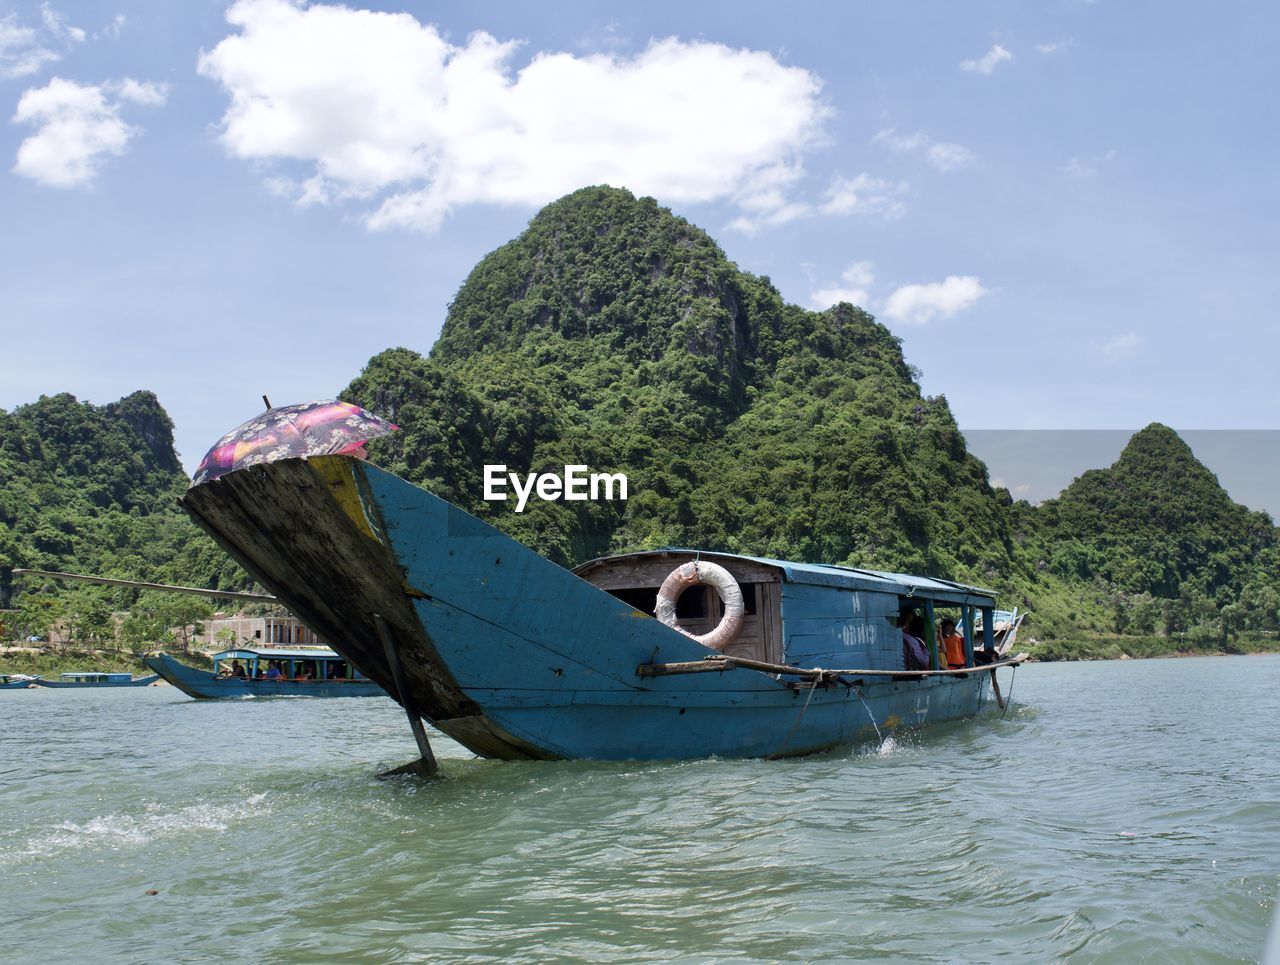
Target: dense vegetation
{"type": "Point", "coordinates": [614, 334]}
{"type": "Point", "coordinates": [1158, 533]}
{"type": "Point", "coordinates": [92, 489]}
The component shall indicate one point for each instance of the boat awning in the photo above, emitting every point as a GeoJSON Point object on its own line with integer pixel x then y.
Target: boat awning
{"type": "Point", "coordinates": [845, 577]}
{"type": "Point", "coordinates": [94, 675]}
{"type": "Point", "coordinates": [276, 653]}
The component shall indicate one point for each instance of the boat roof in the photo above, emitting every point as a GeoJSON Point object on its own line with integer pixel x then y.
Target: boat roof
{"type": "Point", "coordinates": [273, 653]}
{"type": "Point", "coordinates": [830, 574]}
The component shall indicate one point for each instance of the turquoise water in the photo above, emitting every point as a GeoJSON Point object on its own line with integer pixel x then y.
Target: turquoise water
{"type": "Point", "coordinates": [1120, 812]}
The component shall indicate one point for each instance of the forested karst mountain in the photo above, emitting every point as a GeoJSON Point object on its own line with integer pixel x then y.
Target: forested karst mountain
{"type": "Point", "coordinates": [1162, 534]}
{"type": "Point", "coordinates": [93, 488]}
{"type": "Point", "coordinates": [615, 334]}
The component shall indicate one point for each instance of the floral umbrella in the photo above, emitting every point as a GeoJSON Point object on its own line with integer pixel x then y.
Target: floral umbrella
{"type": "Point", "coordinates": [322, 428]}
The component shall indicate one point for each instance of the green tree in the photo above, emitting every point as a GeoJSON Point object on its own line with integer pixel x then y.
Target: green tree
{"type": "Point", "coordinates": [182, 617]}
{"type": "Point", "coordinates": [36, 615]}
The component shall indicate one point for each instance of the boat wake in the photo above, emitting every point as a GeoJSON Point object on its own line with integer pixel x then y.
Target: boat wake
{"type": "Point", "coordinates": [113, 832]}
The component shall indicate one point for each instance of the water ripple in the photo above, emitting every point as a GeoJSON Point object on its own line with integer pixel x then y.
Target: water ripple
{"type": "Point", "coordinates": [1114, 816]}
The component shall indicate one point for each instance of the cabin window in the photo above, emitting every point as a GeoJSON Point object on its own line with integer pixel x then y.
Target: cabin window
{"type": "Point", "coordinates": [643, 598]}
{"type": "Point", "coordinates": [692, 604]}
{"type": "Point", "coordinates": [749, 591]}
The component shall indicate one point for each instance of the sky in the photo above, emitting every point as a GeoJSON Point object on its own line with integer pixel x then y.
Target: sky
{"type": "Point", "coordinates": [1069, 211]}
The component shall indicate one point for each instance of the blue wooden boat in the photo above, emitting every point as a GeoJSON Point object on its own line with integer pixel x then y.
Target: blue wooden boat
{"type": "Point", "coordinates": [90, 678]}
{"type": "Point", "coordinates": [302, 672]}
{"type": "Point", "coordinates": [515, 657]}
{"type": "Point", "coordinates": [17, 681]}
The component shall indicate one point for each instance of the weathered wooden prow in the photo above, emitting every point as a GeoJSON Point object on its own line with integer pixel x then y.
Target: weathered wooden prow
{"type": "Point", "coordinates": [303, 529]}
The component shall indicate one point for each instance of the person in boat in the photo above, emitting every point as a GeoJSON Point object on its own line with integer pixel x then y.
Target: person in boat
{"type": "Point", "coordinates": [237, 670]}
{"type": "Point", "coordinates": [273, 670]}
{"type": "Point", "coordinates": [952, 644]}
{"type": "Point", "coordinates": [914, 654]}
{"type": "Point", "coordinates": [307, 671]}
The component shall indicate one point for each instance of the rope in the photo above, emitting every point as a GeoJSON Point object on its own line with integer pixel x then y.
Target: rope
{"type": "Point", "coordinates": [791, 733]}
{"type": "Point", "coordinates": [869, 714]}
{"type": "Point", "coordinates": [1008, 700]}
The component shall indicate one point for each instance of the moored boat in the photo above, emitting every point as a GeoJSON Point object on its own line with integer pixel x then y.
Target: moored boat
{"type": "Point", "coordinates": [91, 678]}
{"type": "Point", "coordinates": [516, 657]}
{"type": "Point", "coordinates": [267, 672]}
{"type": "Point", "coordinates": [18, 681]}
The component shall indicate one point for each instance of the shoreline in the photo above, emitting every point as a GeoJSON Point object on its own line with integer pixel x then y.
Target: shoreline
{"type": "Point", "coordinates": [50, 663]}
{"type": "Point", "coordinates": [1069, 650]}
{"type": "Point", "coordinates": [38, 661]}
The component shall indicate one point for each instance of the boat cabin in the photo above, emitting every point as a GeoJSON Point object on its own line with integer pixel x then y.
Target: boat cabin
{"type": "Point", "coordinates": [810, 614]}
{"type": "Point", "coordinates": [90, 677]}
{"type": "Point", "coordinates": [292, 663]}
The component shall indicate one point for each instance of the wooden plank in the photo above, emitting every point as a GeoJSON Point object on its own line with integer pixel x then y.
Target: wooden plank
{"type": "Point", "coordinates": [629, 573]}
{"type": "Point", "coordinates": [771, 613]}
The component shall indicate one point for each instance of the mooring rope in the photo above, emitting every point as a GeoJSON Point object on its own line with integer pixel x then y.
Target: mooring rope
{"type": "Point", "coordinates": [791, 733]}
{"type": "Point", "coordinates": [869, 714]}
{"type": "Point", "coordinates": [1009, 700]}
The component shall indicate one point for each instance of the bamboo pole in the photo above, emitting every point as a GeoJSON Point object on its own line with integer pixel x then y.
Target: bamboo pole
{"type": "Point", "coordinates": [719, 664]}
{"type": "Point", "coordinates": [137, 584]}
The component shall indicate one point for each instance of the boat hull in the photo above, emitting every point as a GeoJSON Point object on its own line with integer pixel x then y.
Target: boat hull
{"type": "Point", "coordinates": [94, 685]}
{"type": "Point", "coordinates": [208, 686]}
{"type": "Point", "coordinates": [510, 654]}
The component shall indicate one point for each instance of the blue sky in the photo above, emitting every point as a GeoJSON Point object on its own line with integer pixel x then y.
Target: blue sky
{"type": "Point", "coordinates": [1067, 210]}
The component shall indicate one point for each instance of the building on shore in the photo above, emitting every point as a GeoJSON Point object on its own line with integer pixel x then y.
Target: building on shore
{"type": "Point", "coordinates": [225, 630]}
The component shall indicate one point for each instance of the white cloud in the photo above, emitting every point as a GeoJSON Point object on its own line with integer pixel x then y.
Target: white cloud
{"type": "Point", "coordinates": [857, 278]}
{"type": "Point", "coordinates": [1086, 166]}
{"type": "Point", "coordinates": [988, 61]}
{"type": "Point", "coordinates": [865, 194]}
{"type": "Point", "coordinates": [920, 304]}
{"type": "Point", "coordinates": [114, 29]}
{"type": "Point", "coordinates": [384, 110]}
{"type": "Point", "coordinates": [141, 92]}
{"type": "Point", "coordinates": [949, 157]}
{"type": "Point", "coordinates": [902, 143]}
{"type": "Point", "coordinates": [1056, 46]}
{"type": "Point", "coordinates": [20, 50]}
{"type": "Point", "coordinates": [79, 128]}
{"type": "Point", "coordinates": [26, 50]}
{"type": "Point", "coordinates": [943, 155]}
{"type": "Point", "coordinates": [1119, 346]}
{"type": "Point", "coordinates": [59, 26]}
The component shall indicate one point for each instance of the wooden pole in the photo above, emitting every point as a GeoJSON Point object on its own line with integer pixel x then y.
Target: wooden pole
{"type": "Point", "coordinates": [968, 635]}
{"type": "Point", "coordinates": [719, 664]}
{"type": "Point", "coordinates": [427, 766]}
{"type": "Point", "coordinates": [931, 636]}
{"type": "Point", "coordinates": [137, 584]}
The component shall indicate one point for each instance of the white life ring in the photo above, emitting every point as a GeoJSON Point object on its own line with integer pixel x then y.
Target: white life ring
{"type": "Point", "coordinates": [691, 574]}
